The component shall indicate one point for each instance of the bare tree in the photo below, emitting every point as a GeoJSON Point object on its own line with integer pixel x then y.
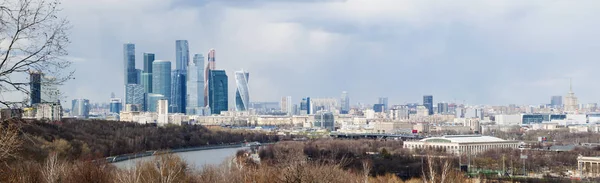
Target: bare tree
{"type": "Point", "coordinates": [9, 140]}
{"type": "Point", "coordinates": [53, 169]}
{"type": "Point", "coordinates": [32, 39]}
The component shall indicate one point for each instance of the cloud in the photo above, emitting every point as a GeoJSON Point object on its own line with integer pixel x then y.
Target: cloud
{"type": "Point", "coordinates": [494, 52]}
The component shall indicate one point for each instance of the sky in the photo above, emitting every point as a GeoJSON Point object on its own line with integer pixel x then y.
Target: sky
{"type": "Point", "coordinates": [471, 51]}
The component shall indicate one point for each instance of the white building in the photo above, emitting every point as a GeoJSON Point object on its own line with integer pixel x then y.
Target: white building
{"type": "Point", "coordinates": [462, 144]}
{"type": "Point", "coordinates": [508, 120]}
{"type": "Point", "coordinates": [163, 112]}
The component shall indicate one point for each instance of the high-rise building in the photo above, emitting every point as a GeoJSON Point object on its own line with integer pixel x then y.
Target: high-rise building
{"type": "Point", "coordinates": [49, 90]}
{"type": "Point", "coordinates": [129, 63]}
{"type": "Point", "coordinates": [161, 78]}
{"type": "Point", "coordinates": [571, 105]}
{"type": "Point", "coordinates": [152, 101]}
{"type": "Point", "coordinates": [211, 65]}
{"type": "Point", "coordinates": [80, 108]}
{"type": "Point", "coordinates": [556, 101]}
{"type": "Point", "coordinates": [442, 108]}
{"type": "Point", "coordinates": [162, 108]}
{"type": "Point", "coordinates": [384, 101]}
{"type": "Point", "coordinates": [242, 95]}
{"type": "Point", "coordinates": [195, 86]}
{"type": "Point", "coordinates": [345, 103]}
{"type": "Point", "coordinates": [305, 106]}
{"type": "Point", "coordinates": [35, 87]}
{"type": "Point", "coordinates": [428, 103]}
{"type": "Point", "coordinates": [286, 105]}
{"type": "Point", "coordinates": [147, 72]}
{"type": "Point", "coordinates": [325, 120]}
{"type": "Point", "coordinates": [134, 94]}
{"type": "Point", "coordinates": [115, 105]}
{"type": "Point", "coordinates": [182, 55]}
{"type": "Point", "coordinates": [217, 91]}
{"type": "Point", "coordinates": [178, 92]}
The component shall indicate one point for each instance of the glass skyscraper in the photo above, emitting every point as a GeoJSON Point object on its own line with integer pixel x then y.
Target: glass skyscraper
{"type": "Point", "coordinates": [115, 105]}
{"type": "Point", "coordinates": [161, 78]}
{"type": "Point", "coordinates": [134, 94]}
{"type": "Point", "coordinates": [217, 91]}
{"type": "Point", "coordinates": [182, 55]}
{"type": "Point", "coordinates": [80, 108]}
{"type": "Point", "coordinates": [147, 72]}
{"type": "Point", "coordinates": [129, 63]}
{"type": "Point", "coordinates": [211, 65]}
{"type": "Point", "coordinates": [242, 95]}
{"type": "Point", "coordinates": [345, 103]}
{"type": "Point", "coordinates": [428, 103]}
{"type": "Point", "coordinates": [178, 92]}
{"type": "Point", "coordinates": [195, 86]}
{"type": "Point", "coordinates": [35, 87]}
{"type": "Point", "coordinates": [152, 101]}
{"type": "Point", "coordinates": [384, 101]}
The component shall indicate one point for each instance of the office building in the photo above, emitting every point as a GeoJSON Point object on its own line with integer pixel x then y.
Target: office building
{"type": "Point", "coordinates": [178, 92]}
{"type": "Point", "coordinates": [147, 72]}
{"type": "Point", "coordinates": [152, 101]}
{"type": "Point", "coordinates": [35, 87]}
{"type": "Point", "coordinates": [345, 103]}
{"type": "Point", "coordinates": [162, 108]}
{"type": "Point", "coordinates": [286, 105]}
{"type": "Point", "coordinates": [129, 63]}
{"type": "Point", "coordinates": [49, 90]}
{"type": "Point", "coordinates": [134, 95]}
{"type": "Point", "coordinates": [428, 103]}
{"type": "Point", "coordinates": [324, 120]}
{"type": "Point", "coordinates": [378, 107]}
{"type": "Point", "coordinates": [556, 101]}
{"type": "Point", "coordinates": [161, 78]}
{"type": "Point", "coordinates": [182, 55]}
{"type": "Point", "coordinates": [384, 101]}
{"type": "Point", "coordinates": [115, 105]}
{"type": "Point", "coordinates": [242, 95]}
{"type": "Point", "coordinates": [442, 108]}
{"type": "Point", "coordinates": [80, 108]}
{"type": "Point", "coordinates": [195, 86]}
{"type": "Point", "coordinates": [211, 65]}
{"type": "Point", "coordinates": [217, 91]}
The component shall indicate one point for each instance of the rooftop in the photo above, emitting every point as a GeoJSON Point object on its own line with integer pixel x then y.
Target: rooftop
{"type": "Point", "coordinates": [463, 139]}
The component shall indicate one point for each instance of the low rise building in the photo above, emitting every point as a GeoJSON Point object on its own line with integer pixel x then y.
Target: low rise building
{"type": "Point", "coordinates": [462, 144]}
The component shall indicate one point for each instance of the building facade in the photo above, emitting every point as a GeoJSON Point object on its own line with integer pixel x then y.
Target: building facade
{"type": "Point", "coordinates": [161, 78]}
{"type": "Point", "coordinates": [428, 103]}
{"type": "Point", "coordinates": [80, 108]}
{"type": "Point", "coordinates": [345, 103]}
{"type": "Point", "coordinates": [129, 62]}
{"type": "Point", "coordinates": [182, 55]}
{"type": "Point", "coordinates": [134, 94]}
{"type": "Point", "coordinates": [211, 65]}
{"type": "Point", "coordinates": [242, 93]}
{"type": "Point", "coordinates": [152, 101]}
{"type": "Point", "coordinates": [462, 144]}
{"type": "Point", "coordinates": [178, 92]}
{"type": "Point", "coordinates": [115, 105]}
{"type": "Point", "coordinates": [217, 91]}
{"type": "Point", "coordinates": [325, 120]}
{"type": "Point", "coordinates": [35, 87]}
{"type": "Point", "coordinates": [384, 101]}
{"type": "Point", "coordinates": [195, 86]}
{"type": "Point", "coordinates": [287, 105]}
{"type": "Point", "coordinates": [571, 105]}
{"type": "Point", "coordinates": [147, 72]}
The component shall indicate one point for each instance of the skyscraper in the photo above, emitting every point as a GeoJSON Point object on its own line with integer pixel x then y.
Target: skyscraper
{"type": "Point", "coordinates": [195, 86]}
{"type": "Point", "coordinates": [147, 72]}
{"type": "Point", "coordinates": [161, 78]}
{"type": "Point", "coordinates": [182, 55]}
{"type": "Point", "coordinates": [80, 108]}
{"type": "Point", "coordinates": [556, 101]}
{"type": "Point", "coordinates": [129, 63]}
{"type": "Point", "coordinates": [345, 103]}
{"type": "Point", "coordinates": [211, 65]}
{"type": "Point", "coordinates": [442, 108]}
{"type": "Point", "coordinates": [217, 91]}
{"type": "Point", "coordinates": [134, 94]}
{"type": "Point", "coordinates": [35, 87]}
{"type": "Point", "coordinates": [242, 95]}
{"type": "Point", "coordinates": [115, 105]}
{"type": "Point", "coordinates": [178, 92]}
{"type": "Point", "coordinates": [428, 103]}
{"type": "Point", "coordinates": [152, 101]}
{"type": "Point", "coordinates": [571, 100]}
{"type": "Point", "coordinates": [286, 105]}
{"type": "Point", "coordinates": [384, 101]}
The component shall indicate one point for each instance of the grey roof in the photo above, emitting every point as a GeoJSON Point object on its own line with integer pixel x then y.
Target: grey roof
{"type": "Point", "coordinates": [463, 139]}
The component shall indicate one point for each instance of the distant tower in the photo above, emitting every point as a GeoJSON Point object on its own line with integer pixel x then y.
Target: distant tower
{"type": "Point", "coordinates": [217, 91]}
{"type": "Point", "coordinates": [182, 55]}
{"type": "Point", "coordinates": [161, 78]}
{"type": "Point", "coordinates": [242, 95]}
{"type": "Point", "coordinates": [345, 103]}
{"type": "Point", "coordinates": [195, 86]}
{"type": "Point", "coordinates": [129, 62]}
{"type": "Point", "coordinates": [35, 87]}
{"type": "Point", "coordinates": [384, 101]}
{"type": "Point", "coordinates": [147, 72]}
{"type": "Point", "coordinates": [211, 65]}
{"type": "Point", "coordinates": [428, 103]}
{"type": "Point", "coordinates": [571, 100]}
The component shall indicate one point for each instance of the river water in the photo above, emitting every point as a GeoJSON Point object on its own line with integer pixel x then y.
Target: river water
{"type": "Point", "coordinates": [195, 159]}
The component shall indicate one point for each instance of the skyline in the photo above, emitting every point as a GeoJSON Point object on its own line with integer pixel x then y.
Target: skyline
{"type": "Point", "coordinates": [510, 53]}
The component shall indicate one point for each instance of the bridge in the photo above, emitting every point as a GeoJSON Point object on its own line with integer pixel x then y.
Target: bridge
{"type": "Point", "coordinates": [374, 136]}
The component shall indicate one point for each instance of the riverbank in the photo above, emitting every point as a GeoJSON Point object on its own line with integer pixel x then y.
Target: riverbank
{"type": "Point", "coordinates": [125, 157]}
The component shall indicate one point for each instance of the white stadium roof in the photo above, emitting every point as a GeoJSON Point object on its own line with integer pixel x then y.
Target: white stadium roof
{"type": "Point", "coordinates": [463, 139]}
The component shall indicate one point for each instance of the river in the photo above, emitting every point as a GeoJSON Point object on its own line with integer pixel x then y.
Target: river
{"type": "Point", "coordinates": [195, 159]}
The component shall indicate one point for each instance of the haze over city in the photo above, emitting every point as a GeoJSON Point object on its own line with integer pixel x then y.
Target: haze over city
{"type": "Point", "coordinates": [493, 52]}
